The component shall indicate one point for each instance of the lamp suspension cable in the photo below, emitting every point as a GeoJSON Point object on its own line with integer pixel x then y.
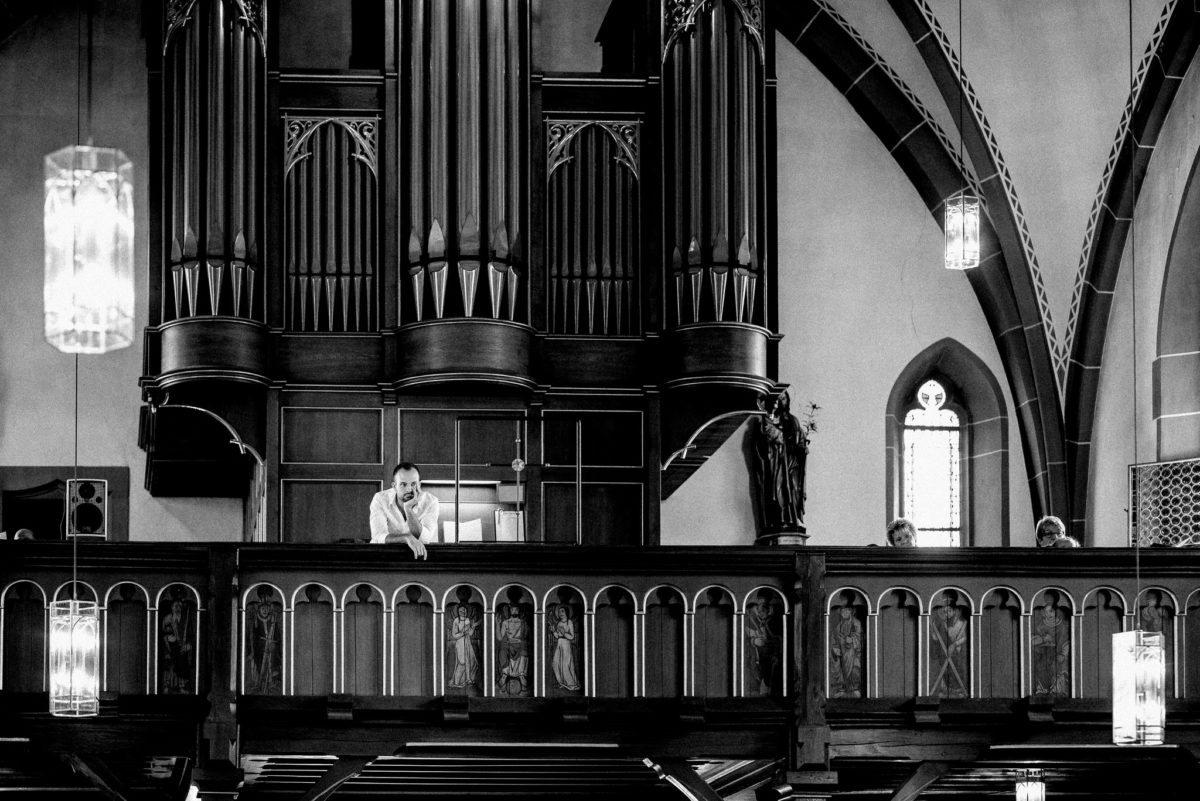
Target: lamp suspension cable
{"type": "Point", "coordinates": [962, 165]}
{"type": "Point", "coordinates": [1137, 539]}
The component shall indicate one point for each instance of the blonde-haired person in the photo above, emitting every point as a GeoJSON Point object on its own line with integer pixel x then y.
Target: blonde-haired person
{"type": "Point", "coordinates": [901, 533]}
{"type": "Point", "coordinates": [1051, 533]}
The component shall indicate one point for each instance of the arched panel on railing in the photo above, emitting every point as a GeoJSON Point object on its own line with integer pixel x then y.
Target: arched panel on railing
{"type": "Point", "coordinates": [312, 642]}
{"type": "Point", "coordinates": [78, 590]}
{"type": "Point", "coordinates": [463, 636]}
{"type": "Point", "coordinates": [126, 635]}
{"type": "Point", "coordinates": [1000, 644]}
{"type": "Point", "coordinates": [1191, 638]}
{"type": "Point", "coordinates": [765, 655]}
{"type": "Point", "coordinates": [663, 643]}
{"type": "Point", "coordinates": [516, 632]}
{"type": "Point", "coordinates": [846, 628]}
{"type": "Point", "coordinates": [1050, 643]}
{"type": "Point", "coordinates": [713, 643]}
{"type": "Point", "coordinates": [898, 643]}
{"type": "Point", "coordinates": [177, 628]}
{"type": "Point", "coordinates": [950, 634]}
{"type": "Point", "coordinates": [361, 668]}
{"type": "Point", "coordinates": [413, 664]}
{"type": "Point", "coordinates": [23, 611]}
{"type": "Point", "coordinates": [566, 643]}
{"type": "Point", "coordinates": [1103, 616]}
{"type": "Point", "coordinates": [1156, 612]}
{"type": "Point", "coordinates": [263, 627]}
{"type": "Point", "coordinates": [613, 676]}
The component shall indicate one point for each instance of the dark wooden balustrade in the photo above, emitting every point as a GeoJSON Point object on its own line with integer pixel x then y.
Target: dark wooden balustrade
{"type": "Point", "coordinates": [839, 652]}
{"type": "Point", "coordinates": [318, 645]}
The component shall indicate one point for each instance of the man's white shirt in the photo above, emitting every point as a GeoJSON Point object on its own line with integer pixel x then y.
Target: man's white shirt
{"type": "Point", "coordinates": [387, 517]}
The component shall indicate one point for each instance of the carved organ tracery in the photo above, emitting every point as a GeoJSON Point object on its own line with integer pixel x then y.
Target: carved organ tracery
{"type": "Point", "coordinates": [331, 202]}
{"type": "Point", "coordinates": [592, 226]}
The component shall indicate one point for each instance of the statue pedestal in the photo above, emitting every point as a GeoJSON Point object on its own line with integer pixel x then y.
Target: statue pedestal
{"type": "Point", "coordinates": [788, 536]}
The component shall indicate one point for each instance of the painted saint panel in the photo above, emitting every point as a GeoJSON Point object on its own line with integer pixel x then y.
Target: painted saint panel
{"type": "Point", "coordinates": [177, 641]}
{"type": "Point", "coordinates": [464, 644]}
{"type": "Point", "coordinates": [1157, 613]}
{"type": "Point", "coordinates": [514, 645]}
{"type": "Point", "coordinates": [565, 644]}
{"type": "Point", "coordinates": [264, 643]}
{"type": "Point", "coordinates": [950, 646]}
{"type": "Point", "coordinates": [764, 645]}
{"type": "Point", "coordinates": [1050, 643]}
{"type": "Point", "coordinates": [847, 646]}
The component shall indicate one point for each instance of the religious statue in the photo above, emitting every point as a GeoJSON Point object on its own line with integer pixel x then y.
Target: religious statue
{"type": "Point", "coordinates": [779, 454]}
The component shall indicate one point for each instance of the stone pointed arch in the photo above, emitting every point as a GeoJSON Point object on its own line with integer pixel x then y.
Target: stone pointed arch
{"type": "Point", "coordinates": [974, 389]}
{"type": "Point", "coordinates": [1004, 284]}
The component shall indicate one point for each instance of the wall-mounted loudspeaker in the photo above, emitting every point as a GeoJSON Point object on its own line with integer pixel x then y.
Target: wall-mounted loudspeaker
{"type": "Point", "coordinates": [87, 508]}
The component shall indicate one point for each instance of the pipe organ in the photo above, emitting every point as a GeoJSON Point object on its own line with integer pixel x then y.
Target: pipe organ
{"type": "Point", "coordinates": [214, 68]}
{"type": "Point", "coordinates": [402, 213]}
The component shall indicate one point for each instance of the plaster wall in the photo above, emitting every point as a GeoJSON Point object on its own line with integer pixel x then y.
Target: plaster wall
{"type": "Point", "coordinates": [37, 387]}
{"type": "Point", "coordinates": [1113, 445]}
{"type": "Point", "coordinates": [861, 292]}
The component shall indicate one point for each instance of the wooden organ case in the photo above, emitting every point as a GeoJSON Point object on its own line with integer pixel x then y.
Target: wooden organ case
{"type": "Point", "coordinates": [387, 231]}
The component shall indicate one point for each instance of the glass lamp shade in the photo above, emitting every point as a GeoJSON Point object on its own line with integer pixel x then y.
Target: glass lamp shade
{"type": "Point", "coordinates": [1030, 786]}
{"type": "Point", "coordinates": [1139, 681]}
{"type": "Point", "coordinates": [88, 220]}
{"type": "Point", "coordinates": [74, 658]}
{"type": "Point", "coordinates": [962, 231]}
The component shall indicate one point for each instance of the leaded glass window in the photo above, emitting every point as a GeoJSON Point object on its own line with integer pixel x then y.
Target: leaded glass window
{"type": "Point", "coordinates": [932, 469]}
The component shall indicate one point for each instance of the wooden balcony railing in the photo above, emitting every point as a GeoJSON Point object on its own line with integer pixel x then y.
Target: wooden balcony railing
{"type": "Point", "coordinates": [734, 650]}
{"type": "Point", "coordinates": [1002, 622]}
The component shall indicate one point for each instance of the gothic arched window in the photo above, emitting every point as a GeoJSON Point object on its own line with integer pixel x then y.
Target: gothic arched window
{"type": "Point", "coordinates": [932, 467]}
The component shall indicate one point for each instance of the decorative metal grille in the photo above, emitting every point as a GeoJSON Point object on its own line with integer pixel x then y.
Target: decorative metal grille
{"type": "Point", "coordinates": [1164, 503]}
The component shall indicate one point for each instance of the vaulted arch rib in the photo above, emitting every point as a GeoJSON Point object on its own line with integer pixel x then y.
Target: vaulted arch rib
{"type": "Point", "coordinates": [1003, 282]}
{"type": "Point", "coordinates": [1173, 47]}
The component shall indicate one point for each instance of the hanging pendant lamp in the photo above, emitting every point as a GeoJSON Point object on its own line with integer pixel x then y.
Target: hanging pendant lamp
{"type": "Point", "coordinates": [1030, 785]}
{"type": "Point", "coordinates": [88, 225]}
{"type": "Point", "coordinates": [74, 658]}
{"type": "Point", "coordinates": [88, 220]}
{"type": "Point", "coordinates": [962, 208]}
{"type": "Point", "coordinates": [1139, 663]}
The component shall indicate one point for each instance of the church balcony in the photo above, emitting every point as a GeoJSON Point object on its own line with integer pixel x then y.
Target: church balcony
{"type": "Point", "coordinates": [822, 655]}
{"type": "Point", "coordinates": [361, 649]}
